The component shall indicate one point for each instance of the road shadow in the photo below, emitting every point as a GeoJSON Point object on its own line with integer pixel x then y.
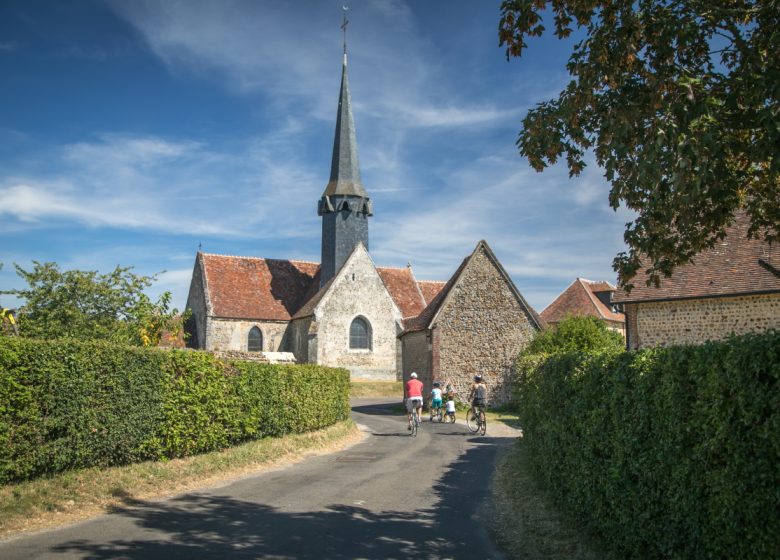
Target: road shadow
{"type": "Point", "coordinates": [196, 526]}
{"type": "Point", "coordinates": [380, 409]}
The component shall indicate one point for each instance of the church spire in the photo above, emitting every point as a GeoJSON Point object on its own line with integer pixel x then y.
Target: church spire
{"type": "Point", "coordinates": [344, 206]}
{"type": "Point", "coordinates": [344, 167]}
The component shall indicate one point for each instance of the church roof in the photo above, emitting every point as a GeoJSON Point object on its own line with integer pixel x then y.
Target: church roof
{"type": "Point", "coordinates": [430, 289]}
{"type": "Point", "coordinates": [344, 167]}
{"type": "Point", "coordinates": [735, 265]}
{"type": "Point", "coordinates": [281, 290]}
{"type": "Point", "coordinates": [255, 288]}
{"type": "Point", "coordinates": [580, 299]}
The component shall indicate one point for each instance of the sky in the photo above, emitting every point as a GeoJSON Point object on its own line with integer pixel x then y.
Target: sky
{"type": "Point", "coordinates": [133, 133]}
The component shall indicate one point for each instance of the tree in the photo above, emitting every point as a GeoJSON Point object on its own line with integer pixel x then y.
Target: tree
{"type": "Point", "coordinates": [575, 333]}
{"type": "Point", "coordinates": [679, 100]}
{"type": "Point", "coordinates": [87, 305]}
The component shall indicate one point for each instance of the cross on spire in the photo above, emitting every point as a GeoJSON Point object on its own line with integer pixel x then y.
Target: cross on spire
{"type": "Point", "coordinates": [344, 24]}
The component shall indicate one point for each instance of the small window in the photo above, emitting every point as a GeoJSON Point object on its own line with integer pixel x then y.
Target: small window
{"type": "Point", "coordinates": [255, 342]}
{"type": "Point", "coordinates": [360, 334]}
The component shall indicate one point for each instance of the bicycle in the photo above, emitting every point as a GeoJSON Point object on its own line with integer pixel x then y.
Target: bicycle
{"type": "Point", "coordinates": [415, 421]}
{"type": "Point", "coordinates": [437, 413]}
{"type": "Point", "coordinates": [476, 421]}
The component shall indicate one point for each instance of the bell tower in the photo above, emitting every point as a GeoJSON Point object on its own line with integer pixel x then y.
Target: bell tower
{"type": "Point", "coordinates": [344, 205]}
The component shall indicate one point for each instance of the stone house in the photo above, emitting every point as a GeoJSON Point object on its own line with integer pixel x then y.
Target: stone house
{"type": "Point", "coordinates": [591, 299]}
{"type": "Point", "coordinates": [477, 323]}
{"type": "Point", "coordinates": [347, 312]}
{"type": "Point", "coordinates": [732, 288]}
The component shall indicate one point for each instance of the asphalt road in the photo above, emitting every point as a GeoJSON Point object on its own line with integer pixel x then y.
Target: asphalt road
{"type": "Point", "coordinates": [390, 496]}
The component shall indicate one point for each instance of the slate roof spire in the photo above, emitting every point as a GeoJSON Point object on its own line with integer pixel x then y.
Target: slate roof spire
{"type": "Point", "coordinates": [344, 168]}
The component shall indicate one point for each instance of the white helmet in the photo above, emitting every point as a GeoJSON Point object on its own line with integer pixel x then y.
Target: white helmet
{"type": "Point", "coordinates": [413, 375]}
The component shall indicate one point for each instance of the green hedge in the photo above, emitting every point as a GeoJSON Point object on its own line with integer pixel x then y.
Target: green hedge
{"type": "Point", "coordinates": [66, 405]}
{"type": "Point", "coordinates": [666, 453]}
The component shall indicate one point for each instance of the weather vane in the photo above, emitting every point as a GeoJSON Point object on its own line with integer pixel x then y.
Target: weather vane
{"type": "Point", "coordinates": [345, 8]}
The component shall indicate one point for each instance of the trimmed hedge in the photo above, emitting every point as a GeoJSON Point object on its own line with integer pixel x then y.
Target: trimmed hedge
{"type": "Point", "coordinates": [665, 453]}
{"type": "Point", "coordinates": [68, 404]}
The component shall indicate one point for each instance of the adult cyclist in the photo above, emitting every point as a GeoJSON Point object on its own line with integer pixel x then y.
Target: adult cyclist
{"type": "Point", "coordinates": [478, 395]}
{"type": "Point", "coordinates": [414, 396]}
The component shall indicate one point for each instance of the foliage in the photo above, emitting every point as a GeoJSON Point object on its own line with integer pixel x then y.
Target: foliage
{"type": "Point", "coordinates": [68, 404]}
{"type": "Point", "coordinates": [666, 453]}
{"type": "Point", "coordinates": [86, 305]}
{"type": "Point", "coordinates": [679, 101]}
{"type": "Point", "coordinates": [575, 333]}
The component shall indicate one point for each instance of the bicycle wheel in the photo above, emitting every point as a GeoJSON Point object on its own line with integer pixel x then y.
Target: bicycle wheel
{"type": "Point", "coordinates": [415, 423]}
{"type": "Point", "coordinates": [482, 423]}
{"type": "Point", "coordinates": [439, 415]}
{"type": "Point", "coordinates": [472, 422]}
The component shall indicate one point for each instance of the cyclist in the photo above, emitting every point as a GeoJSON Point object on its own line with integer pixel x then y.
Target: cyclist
{"type": "Point", "coordinates": [414, 398]}
{"type": "Point", "coordinates": [478, 395]}
{"type": "Point", "coordinates": [436, 401]}
{"type": "Point", "coordinates": [450, 409]}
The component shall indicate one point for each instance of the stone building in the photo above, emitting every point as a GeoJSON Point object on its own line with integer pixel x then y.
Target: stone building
{"type": "Point", "coordinates": [732, 288]}
{"type": "Point", "coordinates": [477, 323]}
{"type": "Point", "coordinates": [347, 312]}
{"type": "Point", "coordinates": [591, 299]}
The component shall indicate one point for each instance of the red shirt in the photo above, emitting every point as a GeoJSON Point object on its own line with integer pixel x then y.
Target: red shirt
{"type": "Point", "coordinates": [414, 388]}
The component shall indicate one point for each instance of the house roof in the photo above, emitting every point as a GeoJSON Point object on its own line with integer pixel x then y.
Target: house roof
{"type": "Point", "coordinates": [255, 288]}
{"type": "Point", "coordinates": [580, 299]}
{"type": "Point", "coordinates": [428, 316]}
{"type": "Point", "coordinates": [430, 289]}
{"type": "Point", "coordinates": [735, 265]}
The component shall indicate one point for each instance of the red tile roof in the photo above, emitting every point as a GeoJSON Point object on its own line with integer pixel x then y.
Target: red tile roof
{"type": "Point", "coordinates": [404, 289]}
{"type": "Point", "coordinates": [733, 266]}
{"type": "Point", "coordinates": [580, 299]}
{"type": "Point", "coordinates": [278, 290]}
{"type": "Point", "coordinates": [430, 289]}
{"type": "Point", "coordinates": [253, 288]}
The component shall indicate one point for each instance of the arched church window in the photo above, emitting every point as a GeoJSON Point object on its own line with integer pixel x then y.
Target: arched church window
{"type": "Point", "coordinates": [255, 341]}
{"type": "Point", "coordinates": [360, 334]}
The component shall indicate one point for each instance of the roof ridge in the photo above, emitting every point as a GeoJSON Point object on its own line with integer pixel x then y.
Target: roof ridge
{"type": "Point", "coordinates": [256, 258]}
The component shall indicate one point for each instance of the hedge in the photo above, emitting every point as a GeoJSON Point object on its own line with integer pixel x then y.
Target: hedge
{"type": "Point", "coordinates": [68, 404]}
{"type": "Point", "coordinates": [665, 453]}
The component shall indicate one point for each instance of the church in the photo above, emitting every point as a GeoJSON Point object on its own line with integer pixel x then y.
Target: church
{"type": "Point", "coordinates": [377, 322]}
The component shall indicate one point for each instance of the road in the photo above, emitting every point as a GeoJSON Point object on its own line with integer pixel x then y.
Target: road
{"type": "Point", "coordinates": [390, 496]}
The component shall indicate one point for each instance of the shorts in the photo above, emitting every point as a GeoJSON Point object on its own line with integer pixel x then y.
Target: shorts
{"type": "Point", "coordinates": [410, 403]}
{"type": "Point", "coordinates": [480, 403]}
{"type": "Point", "coordinates": [436, 403]}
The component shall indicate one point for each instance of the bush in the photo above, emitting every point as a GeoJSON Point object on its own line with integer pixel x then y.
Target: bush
{"type": "Point", "coordinates": [666, 453]}
{"type": "Point", "coordinates": [575, 333]}
{"type": "Point", "coordinates": [67, 404]}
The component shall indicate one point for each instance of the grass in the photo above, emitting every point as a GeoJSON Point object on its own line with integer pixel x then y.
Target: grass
{"type": "Point", "coordinates": [526, 521]}
{"type": "Point", "coordinates": [368, 388]}
{"type": "Point", "coordinates": [76, 495]}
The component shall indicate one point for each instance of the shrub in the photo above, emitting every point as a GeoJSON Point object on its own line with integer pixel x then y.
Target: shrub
{"type": "Point", "coordinates": [666, 453]}
{"type": "Point", "coordinates": [575, 333]}
{"type": "Point", "coordinates": [67, 404]}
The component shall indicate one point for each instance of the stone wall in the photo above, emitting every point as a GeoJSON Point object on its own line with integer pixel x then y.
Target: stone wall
{"type": "Point", "coordinates": [417, 357]}
{"type": "Point", "coordinates": [481, 329]}
{"type": "Point", "coordinates": [358, 291]}
{"type": "Point", "coordinates": [196, 302]}
{"type": "Point", "coordinates": [698, 320]}
{"type": "Point", "coordinates": [233, 334]}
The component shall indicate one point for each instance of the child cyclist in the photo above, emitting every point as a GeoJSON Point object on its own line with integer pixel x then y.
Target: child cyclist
{"type": "Point", "coordinates": [436, 401]}
{"type": "Point", "coordinates": [450, 409]}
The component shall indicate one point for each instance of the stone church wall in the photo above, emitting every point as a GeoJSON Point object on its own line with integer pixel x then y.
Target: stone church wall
{"type": "Point", "coordinates": [358, 291]}
{"type": "Point", "coordinates": [233, 334]}
{"type": "Point", "coordinates": [481, 329]}
{"type": "Point", "coordinates": [698, 320]}
{"type": "Point", "coordinates": [417, 357]}
{"type": "Point", "coordinates": [196, 302]}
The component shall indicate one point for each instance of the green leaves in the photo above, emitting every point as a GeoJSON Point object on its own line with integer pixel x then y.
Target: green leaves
{"type": "Point", "coordinates": [70, 404]}
{"type": "Point", "coordinates": [666, 453]}
{"type": "Point", "coordinates": [85, 305]}
{"type": "Point", "coordinates": [680, 104]}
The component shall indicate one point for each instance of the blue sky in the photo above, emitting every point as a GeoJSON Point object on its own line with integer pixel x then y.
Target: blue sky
{"type": "Point", "coordinates": [132, 132]}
